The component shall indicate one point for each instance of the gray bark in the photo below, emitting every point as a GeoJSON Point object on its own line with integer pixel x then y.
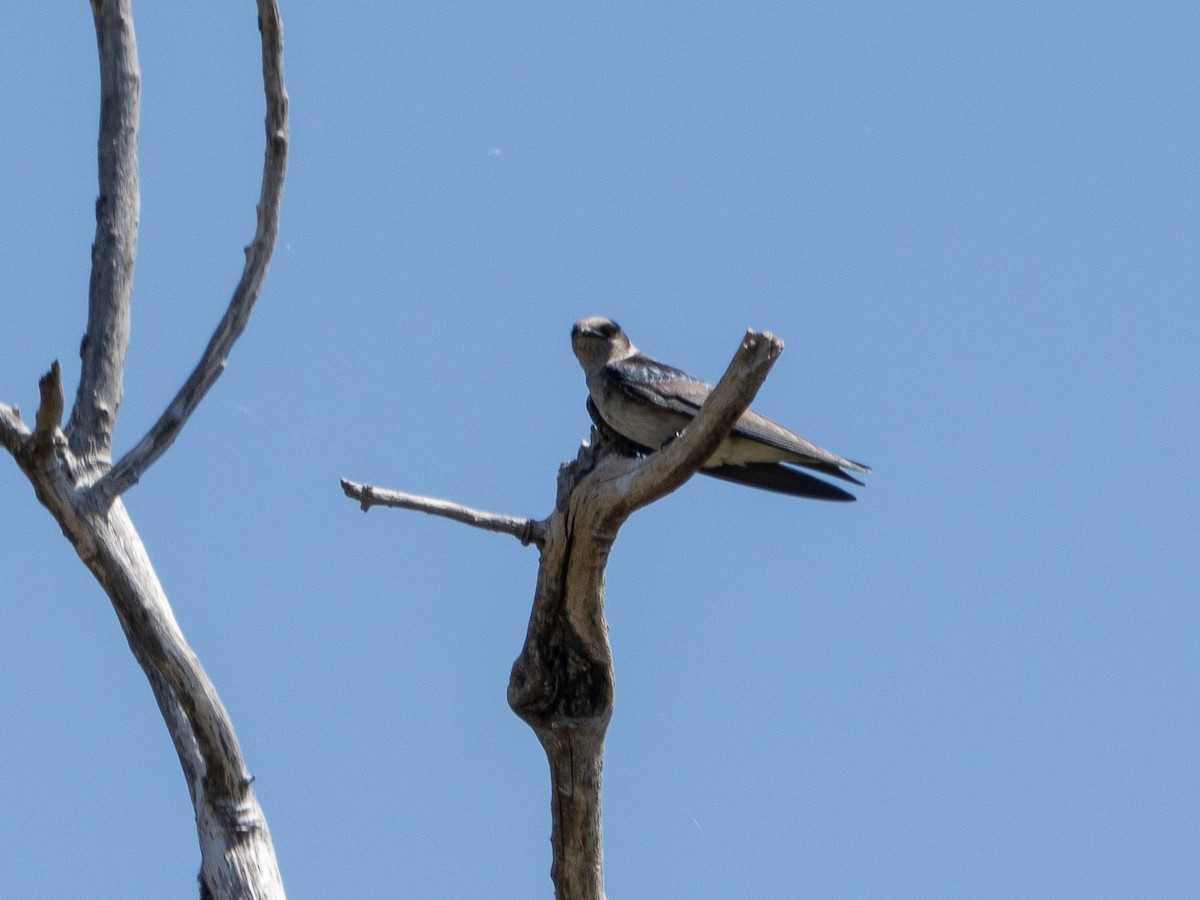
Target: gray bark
{"type": "Point", "coordinates": [72, 473]}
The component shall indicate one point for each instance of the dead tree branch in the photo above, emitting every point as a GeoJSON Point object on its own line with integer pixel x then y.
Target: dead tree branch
{"type": "Point", "coordinates": [71, 473]}
{"type": "Point", "coordinates": [527, 531]}
{"type": "Point", "coordinates": [212, 362]}
{"type": "Point", "coordinates": [562, 684]}
{"type": "Point", "coordinates": [106, 341]}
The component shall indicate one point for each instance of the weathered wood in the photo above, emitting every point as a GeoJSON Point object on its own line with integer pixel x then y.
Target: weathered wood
{"type": "Point", "coordinates": [562, 685]}
{"type": "Point", "coordinates": [527, 531]}
{"type": "Point", "coordinates": [237, 855]}
{"type": "Point", "coordinates": [118, 206]}
{"type": "Point", "coordinates": [212, 362]}
{"type": "Point", "coordinates": [72, 475]}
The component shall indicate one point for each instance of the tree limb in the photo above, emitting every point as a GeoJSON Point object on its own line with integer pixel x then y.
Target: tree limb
{"type": "Point", "coordinates": [106, 341]}
{"type": "Point", "coordinates": [527, 531]}
{"type": "Point", "coordinates": [146, 452]}
{"type": "Point", "coordinates": [237, 857]}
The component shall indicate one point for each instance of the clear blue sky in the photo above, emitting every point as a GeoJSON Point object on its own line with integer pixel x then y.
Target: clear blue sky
{"type": "Point", "coordinates": [975, 227]}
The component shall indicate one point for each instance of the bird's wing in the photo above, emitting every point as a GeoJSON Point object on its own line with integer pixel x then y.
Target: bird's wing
{"type": "Point", "coordinates": [774, 477]}
{"type": "Point", "coordinates": [758, 427]}
{"type": "Point", "coordinates": [650, 381]}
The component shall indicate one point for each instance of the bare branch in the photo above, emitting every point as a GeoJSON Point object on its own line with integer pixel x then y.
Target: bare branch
{"type": "Point", "coordinates": [106, 341]}
{"type": "Point", "coordinates": [237, 856]}
{"type": "Point", "coordinates": [666, 470]}
{"type": "Point", "coordinates": [235, 841]}
{"type": "Point", "coordinates": [527, 531]}
{"type": "Point", "coordinates": [212, 363]}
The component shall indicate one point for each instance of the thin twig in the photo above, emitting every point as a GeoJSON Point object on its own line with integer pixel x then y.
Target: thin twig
{"type": "Point", "coordinates": [212, 363]}
{"type": "Point", "coordinates": [106, 340]}
{"type": "Point", "coordinates": [527, 531]}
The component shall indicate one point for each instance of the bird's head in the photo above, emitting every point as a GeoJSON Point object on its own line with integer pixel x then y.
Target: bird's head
{"type": "Point", "coordinates": [598, 341]}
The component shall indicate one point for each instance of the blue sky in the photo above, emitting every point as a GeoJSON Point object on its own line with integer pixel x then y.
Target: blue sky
{"type": "Point", "coordinates": [974, 227]}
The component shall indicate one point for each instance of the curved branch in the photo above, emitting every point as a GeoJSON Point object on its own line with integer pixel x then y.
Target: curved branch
{"type": "Point", "coordinates": [527, 531]}
{"type": "Point", "coordinates": [106, 340]}
{"type": "Point", "coordinates": [212, 363]}
{"type": "Point", "coordinates": [237, 856]}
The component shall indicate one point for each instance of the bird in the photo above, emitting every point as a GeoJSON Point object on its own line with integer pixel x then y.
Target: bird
{"type": "Point", "coordinates": [648, 403]}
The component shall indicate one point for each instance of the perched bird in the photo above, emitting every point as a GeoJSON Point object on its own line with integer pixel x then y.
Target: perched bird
{"type": "Point", "coordinates": [648, 403]}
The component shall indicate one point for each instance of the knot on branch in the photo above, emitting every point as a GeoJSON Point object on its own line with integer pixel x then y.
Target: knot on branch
{"type": "Point", "coordinates": [556, 682]}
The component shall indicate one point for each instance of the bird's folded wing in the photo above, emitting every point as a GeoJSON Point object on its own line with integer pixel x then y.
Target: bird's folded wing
{"type": "Point", "coordinates": [650, 381]}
